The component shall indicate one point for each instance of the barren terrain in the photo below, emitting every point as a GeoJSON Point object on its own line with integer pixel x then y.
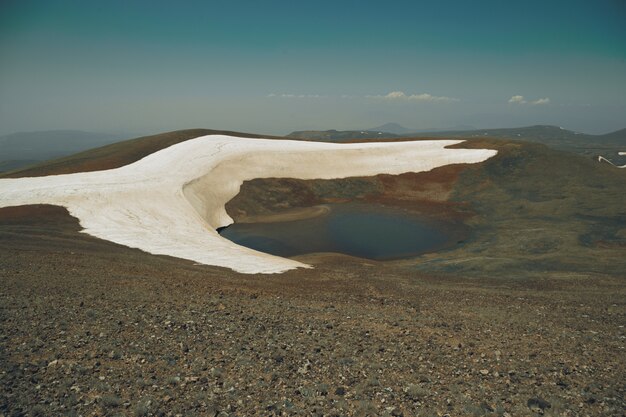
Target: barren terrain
{"type": "Point", "coordinates": [525, 317]}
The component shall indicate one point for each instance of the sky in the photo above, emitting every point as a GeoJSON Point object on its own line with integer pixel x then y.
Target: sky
{"type": "Point", "coordinates": [141, 67]}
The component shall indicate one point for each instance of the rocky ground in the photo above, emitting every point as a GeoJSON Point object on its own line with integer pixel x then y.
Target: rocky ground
{"type": "Point", "coordinates": [89, 328]}
{"type": "Point", "coordinates": [524, 318]}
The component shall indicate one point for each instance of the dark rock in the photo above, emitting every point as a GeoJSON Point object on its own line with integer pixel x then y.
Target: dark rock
{"type": "Point", "coordinates": [396, 412]}
{"type": "Point", "coordinates": [538, 405]}
{"type": "Point", "coordinates": [487, 407]}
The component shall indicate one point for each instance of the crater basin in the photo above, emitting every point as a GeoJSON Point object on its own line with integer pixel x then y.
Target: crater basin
{"type": "Point", "coordinates": [366, 231]}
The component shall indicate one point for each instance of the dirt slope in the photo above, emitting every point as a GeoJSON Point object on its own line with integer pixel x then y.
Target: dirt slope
{"type": "Point", "coordinates": [117, 154]}
{"type": "Point", "coordinates": [526, 318]}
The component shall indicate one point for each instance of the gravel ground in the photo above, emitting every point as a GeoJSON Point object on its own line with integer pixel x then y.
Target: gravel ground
{"type": "Point", "coordinates": [513, 323]}
{"type": "Point", "coordinates": [89, 328]}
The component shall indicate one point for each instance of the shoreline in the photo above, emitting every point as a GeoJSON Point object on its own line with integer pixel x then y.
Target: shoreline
{"type": "Point", "coordinates": [163, 207]}
{"type": "Point", "coordinates": [290, 215]}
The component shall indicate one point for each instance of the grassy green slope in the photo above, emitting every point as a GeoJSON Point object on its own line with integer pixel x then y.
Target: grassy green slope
{"type": "Point", "coordinates": [539, 211]}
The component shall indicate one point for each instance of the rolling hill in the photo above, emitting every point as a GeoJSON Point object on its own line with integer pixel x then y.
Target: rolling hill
{"type": "Point", "coordinates": [394, 128]}
{"type": "Point", "coordinates": [522, 316]}
{"type": "Point", "coordinates": [339, 135]}
{"type": "Point", "coordinates": [26, 148]}
{"type": "Point", "coordinates": [553, 136]}
{"type": "Point", "coordinates": [513, 183]}
{"type": "Point", "coordinates": [114, 155]}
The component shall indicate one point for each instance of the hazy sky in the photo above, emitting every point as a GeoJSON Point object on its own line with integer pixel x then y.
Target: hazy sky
{"type": "Point", "coordinates": [277, 66]}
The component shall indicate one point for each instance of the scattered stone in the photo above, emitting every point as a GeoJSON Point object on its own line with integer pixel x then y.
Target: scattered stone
{"type": "Point", "coordinates": [209, 362]}
{"type": "Point", "coordinates": [416, 392]}
{"type": "Point", "coordinates": [538, 405]}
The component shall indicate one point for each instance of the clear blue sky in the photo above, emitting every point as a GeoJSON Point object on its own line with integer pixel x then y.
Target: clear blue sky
{"type": "Point", "coordinates": [278, 66]}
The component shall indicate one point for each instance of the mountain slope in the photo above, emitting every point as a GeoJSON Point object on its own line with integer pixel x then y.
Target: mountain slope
{"type": "Point", "coordinates": [553, 136]}
{"type": "Point", "coordinates": [339, 135]}
{"type": "Point", "coordinates": [618, 136]}
{"type": "Point", "coordinates": [507, 320]}
{"type": "Point", "coordinates": [545, 134]}
{"type": "Point", "coordinates": [394, 128]}
{"type": "Point", "coordinates": [579, 210]}
{"type": "Point", "coordinates": [20, 149]}
{"type": "Point", "coordinates": [117, 154]}
{"type": "Point", "coordinates": [531, 210]}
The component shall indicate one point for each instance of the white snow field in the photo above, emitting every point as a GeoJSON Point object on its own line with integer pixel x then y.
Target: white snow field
{"type": "Point", "coordinates": [172, 201]}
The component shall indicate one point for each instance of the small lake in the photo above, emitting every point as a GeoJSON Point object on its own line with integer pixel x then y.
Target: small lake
{"type": "Point", "coordinates": [363, 230]}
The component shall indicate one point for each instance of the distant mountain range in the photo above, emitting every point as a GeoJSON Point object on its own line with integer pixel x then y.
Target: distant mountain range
{"type": "Point", "coordinates": [18, 150]}
{"type": "Point", "coordinates": [340, 135]}
{"type": "Point", "coordinates": [388, 130]}
{"type": "Point", "coordinates": [553, 136]}
{"type": "Point", "coordinates": [394, 128]}
{"type": "Point", "coordinates": [26, 148]}
{"type": "Point", "coordinates": [398, 129]}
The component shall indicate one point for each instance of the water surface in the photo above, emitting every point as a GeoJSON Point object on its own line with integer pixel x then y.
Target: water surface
{"type": "Point", "coordinates": [363, 230]}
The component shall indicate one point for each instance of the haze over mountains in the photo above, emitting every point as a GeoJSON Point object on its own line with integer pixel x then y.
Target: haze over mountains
{"type": "Point", "coordinates": [398, 129]}
{"type": "Point", "coordinates": [394, 128]}
{"type": "Point", "coordinates": [553, 136]}
{"type": "Point", "coordinates": [25, 148]}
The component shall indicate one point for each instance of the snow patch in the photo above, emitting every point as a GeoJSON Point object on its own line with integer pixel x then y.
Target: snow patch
{"type": "Point", "coordinates": [172, 201]}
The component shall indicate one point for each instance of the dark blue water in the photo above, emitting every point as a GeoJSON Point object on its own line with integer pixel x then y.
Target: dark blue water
{"type": "Point", "coordinates": [366, 231]}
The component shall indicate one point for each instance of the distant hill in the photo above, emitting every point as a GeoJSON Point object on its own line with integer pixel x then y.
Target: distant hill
{"type": "Point", "coordinates": [25, 148]}
{"type": "Point", "coordinates": [537, 133]}
{"type": "Point", "coordinates": [339, 135]}
{"type": "Point", "coordinates": [117, 154]}
{"type": "Point", "coordinates": [398, 129]}
{"type": "Point", "coordinates": [394, 128]}
{"type": "Point", "coordinates": [553, 136]}
{"type": "Point", "coordinates": [615, 137]}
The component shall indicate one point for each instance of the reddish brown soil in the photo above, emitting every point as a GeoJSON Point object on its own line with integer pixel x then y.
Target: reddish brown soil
{"type": "Point", "coordinates": [91, 328]}
{"type": "Point", "coordinates": [425, 192]}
